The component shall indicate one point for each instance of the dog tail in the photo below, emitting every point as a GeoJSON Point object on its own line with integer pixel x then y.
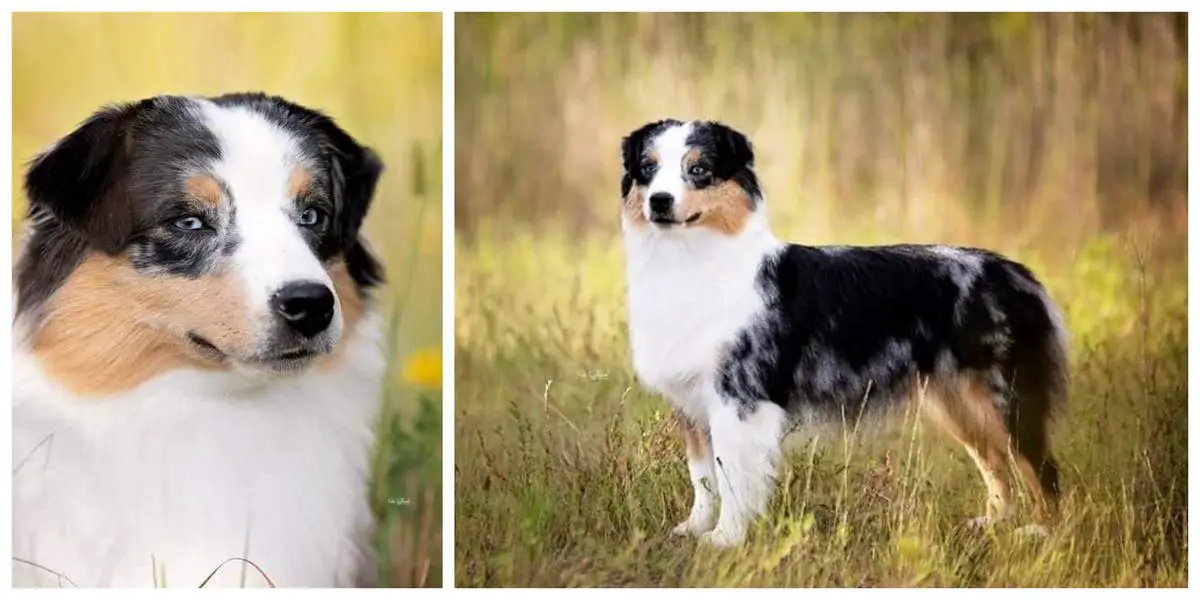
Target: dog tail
{"type": "Point", "coordinates": [1041, 375]}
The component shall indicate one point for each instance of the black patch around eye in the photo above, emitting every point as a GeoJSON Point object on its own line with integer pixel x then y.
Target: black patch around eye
{"type": "Point", "coordinates": [166, 249]}
{"type": "Point", "coordinates": [633, 152]}
{"type": "Point", "coordinates": [322, 237]}
{"type": "Point", "coordinates": [728, 154]}
{"type": "Point", "coordinates": [179, 253]}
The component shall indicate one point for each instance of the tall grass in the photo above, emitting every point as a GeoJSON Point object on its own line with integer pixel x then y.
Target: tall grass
{"type": "Point", "coordinates": [379, 76]}
{"type": "Point", "coordinates": [1058, 140]}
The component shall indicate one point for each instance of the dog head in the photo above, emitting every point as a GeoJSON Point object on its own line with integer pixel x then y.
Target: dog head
{"type": "Point", "coordinates": [698, 174]}
{"type": "Point", "coordinates": [223, 230]}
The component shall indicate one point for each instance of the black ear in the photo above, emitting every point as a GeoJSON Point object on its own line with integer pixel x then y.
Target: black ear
{"type": "Point", "coordinates": [355, 171]}
{"type": "Point", "coordinates": [737, 158]}
{"type": "Point", "coordinates": [82, 180]}
{"type": "Point", "coordinates": [735, 146]}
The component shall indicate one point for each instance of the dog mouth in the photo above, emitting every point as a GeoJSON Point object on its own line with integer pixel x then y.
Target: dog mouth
{"type": "Point", "coordinates": [664, 221]}
{"type": "Point", "coordinates": [206, 347]}
{"type": "Point", "coordinates": [297, 354]}
{"type": "Point", "coordinates": [288, 360]}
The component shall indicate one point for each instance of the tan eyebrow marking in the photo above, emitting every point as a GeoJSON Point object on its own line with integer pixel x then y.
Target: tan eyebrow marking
{"type": "Point", "coordinates": [205, 188]}
{"type": "Point", "coordinates": [300, 182]}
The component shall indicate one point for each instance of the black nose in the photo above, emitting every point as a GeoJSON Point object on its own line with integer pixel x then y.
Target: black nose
{"type": "Point", "coordinates": [661, 203]}
{"type": "Point", "coordinates": [306, 307]}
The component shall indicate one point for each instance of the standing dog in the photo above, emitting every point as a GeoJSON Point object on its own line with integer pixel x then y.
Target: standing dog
{"type": "Point", "coordinates": [748, 336]}
{"type": "Point", "coordinates": [197, 365]}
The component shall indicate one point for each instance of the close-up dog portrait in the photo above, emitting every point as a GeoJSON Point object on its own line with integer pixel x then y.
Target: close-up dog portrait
{"type": "Point", "coordinates": [206, 385]}
{"type": "Point", "coordinates": [820, 300]}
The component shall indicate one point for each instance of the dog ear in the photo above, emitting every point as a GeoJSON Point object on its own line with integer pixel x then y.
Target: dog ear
{"type": "Point", "coordinates": [737, 162]}
{"type": "Point", "coordinates": [82, 180]}
{"type": "Point", "coordinates": [354, 170]}
{"type": "Point", "coordinates": [736, 147]}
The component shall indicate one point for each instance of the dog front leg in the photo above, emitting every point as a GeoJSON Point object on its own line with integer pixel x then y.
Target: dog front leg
{"type": "Point", "coordinates": [698, 445]}
{"type": "Point", "coordinates": [746, 444]}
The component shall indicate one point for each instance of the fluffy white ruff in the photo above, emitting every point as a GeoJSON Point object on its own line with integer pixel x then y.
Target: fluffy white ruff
{"type": "Point", "coordinates": [161, 485]}
{"type": "Point", "coordinates": [690, 291]}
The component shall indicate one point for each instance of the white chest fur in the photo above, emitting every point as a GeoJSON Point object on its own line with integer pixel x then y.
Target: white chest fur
{"type": "Point", "coordinates": [161, 485]}
{"type": "Point", "coordinates": [690, 294]}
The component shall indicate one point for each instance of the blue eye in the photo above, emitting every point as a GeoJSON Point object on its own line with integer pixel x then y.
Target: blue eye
{"type": "Point", "coordinates": [698, 171]}
{"type": "Point", "coordinates": [648, 170]}
{"type": "Point", "coordinates": [188, 223]}
{"type": "Point", "coordinates": [311, 217]}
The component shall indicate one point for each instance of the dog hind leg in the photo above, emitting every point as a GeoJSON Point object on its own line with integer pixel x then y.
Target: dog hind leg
{"type": "Point", "coordinates": [966, 410]}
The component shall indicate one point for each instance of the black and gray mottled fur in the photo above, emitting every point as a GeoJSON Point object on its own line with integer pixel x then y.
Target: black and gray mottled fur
{"type": "Point", "coordinates": [849, 331]}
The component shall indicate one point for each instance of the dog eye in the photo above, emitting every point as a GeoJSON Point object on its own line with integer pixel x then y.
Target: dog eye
{"type": "Point", "coordinates": [189, 223]}
{"type": "Point", "coordinates": [698, 171]}
{"type": "Point", "coordinates": [311, 217]}
{"type": "Point", "coordinates": [647, 170]}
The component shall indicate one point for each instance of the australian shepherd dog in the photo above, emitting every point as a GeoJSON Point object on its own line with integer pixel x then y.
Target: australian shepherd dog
{"type": "Point", "coordinates": [196, 361]}
{"type": "Point", "coordinates": [749, 337]}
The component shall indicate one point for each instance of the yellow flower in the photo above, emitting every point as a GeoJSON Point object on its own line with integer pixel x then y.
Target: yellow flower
{"type": "Point", "coordinates": [423, 368]}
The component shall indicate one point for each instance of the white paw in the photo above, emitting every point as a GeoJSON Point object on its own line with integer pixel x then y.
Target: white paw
{"type": "Point", "coordinates": [723, 537]}
{"type": "Point", "coordinates": [1032, 531]}
{"type": "Point", "coordinates": [693, 526]}
{"type": "Point", "coordinates": [982, 522]}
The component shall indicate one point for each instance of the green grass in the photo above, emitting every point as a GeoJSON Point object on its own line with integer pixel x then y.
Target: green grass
{"type": "Point", "coordinates": [1056, 139]}
{"type": "Point", "coordinates": [569, 474]}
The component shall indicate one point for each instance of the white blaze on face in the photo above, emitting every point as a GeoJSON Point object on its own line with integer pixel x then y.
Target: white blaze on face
{"type": "Point", "coordinates": [257, 162]}
{"type": "Point", "coordinates": [670, 147]}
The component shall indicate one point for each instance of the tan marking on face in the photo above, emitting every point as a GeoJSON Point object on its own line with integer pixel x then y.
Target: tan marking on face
{"type": "Point", "coordinates": [110, 328]}
{"type": "Point", "coordinates": [633, 207]}
{"type": "Point", "coordinates": [353, 308]}
{"type": "Point", "coordinates": [723, 207]}
{"type": "Point", "coordinates": [299, 182]}
{"type": "Point", "coordinates": [695, 438]}
{"type": "Point", "coordinates": [204, 189]}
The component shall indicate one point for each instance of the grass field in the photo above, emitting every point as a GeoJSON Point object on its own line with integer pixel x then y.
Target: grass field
{"type": "Point", "coordinates": [379, 76]}
{"type": "Point", "coordinates": [568, 473]}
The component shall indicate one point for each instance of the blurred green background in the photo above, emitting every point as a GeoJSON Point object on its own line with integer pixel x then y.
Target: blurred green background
{"type": "Point", "coordinates": [1058, 139]}
{"type": "Point", "coordinates": [379, 77]}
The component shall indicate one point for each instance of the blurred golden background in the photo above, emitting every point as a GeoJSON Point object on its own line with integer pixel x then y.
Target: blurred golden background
{"type": "Point", "coordinates": [1057, 139]}
{"type": "Point", "coordinates": [1015, 121]}
{"type": "Point", "coordinates": [379, 77]}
